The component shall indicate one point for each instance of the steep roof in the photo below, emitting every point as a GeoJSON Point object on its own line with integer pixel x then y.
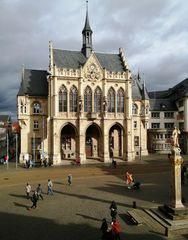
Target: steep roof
{"type": "Point", "coordinates": [162, 105]}
{"type": "Point", "coordinates": [75, 59]}
{"type": "Point", "coordinates": [158, 94]}
{"type": "Point", "coordinates": [139, 91]}
{"type": "Point", "coordinates": [68, 59]}
{"type": "Point", "coordinates": [178, 91]}
{"type": "Point", "coordinates": [34, 83]}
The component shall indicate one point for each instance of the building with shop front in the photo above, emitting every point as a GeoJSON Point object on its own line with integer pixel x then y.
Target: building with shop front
{"type": "Point", "coordinates": [85, 106]}
{"type": "Point", "coordinates": [168, 109]}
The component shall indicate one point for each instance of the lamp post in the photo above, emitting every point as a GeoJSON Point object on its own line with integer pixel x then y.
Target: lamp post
{"type": "Point", "coordinates": [140, 155]}
{"type": "Point", "coordinates": [34, 149]}
{"type": "Point", "coordinates": [16, 150]}
{"type": "Point", "coordinates": [7, 157]}
{"type": "Point", "coordinates": [42, 137]}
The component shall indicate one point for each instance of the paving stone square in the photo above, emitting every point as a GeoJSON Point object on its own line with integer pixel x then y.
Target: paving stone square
{"type": "Point", "coordinates": [76, 211]}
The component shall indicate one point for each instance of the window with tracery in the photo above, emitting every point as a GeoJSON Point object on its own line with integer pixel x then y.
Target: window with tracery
{"type": "Point", "coordinates": [111, 100]}
{"type": "Point", "coordinates": [88, 100]}
{"type": "Point", "coordinates": [36, 108]}
{"type": "Point", "coordinates": [73, 99]}
{"type": "Point", "coordinates": [97, 100]}
{"type": "Point", "coordinates": [63, 99]}
{"type": "Point", "coordinates": [35, 124]}
{"type": "Point", "coordinates": [120, 101]}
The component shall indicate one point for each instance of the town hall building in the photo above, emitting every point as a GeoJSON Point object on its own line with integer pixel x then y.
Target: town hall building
{"type": "Point", "coordinates": [86, 106]}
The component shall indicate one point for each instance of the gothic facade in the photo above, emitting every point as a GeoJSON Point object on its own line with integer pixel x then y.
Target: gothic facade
{"type": "Point", "coordinates": [85, 106]}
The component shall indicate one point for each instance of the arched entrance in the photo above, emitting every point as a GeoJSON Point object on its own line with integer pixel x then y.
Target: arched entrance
{"type": "Point", "coordinates": [68, 142]}
{"type": "Point", "coordinates": [116, 141]}
{"type": "Point", "coordinates": [93, 142]}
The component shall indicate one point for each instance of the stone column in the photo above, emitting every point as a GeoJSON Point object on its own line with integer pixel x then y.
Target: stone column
{"type": "Point", "coordinates": [176, 161]}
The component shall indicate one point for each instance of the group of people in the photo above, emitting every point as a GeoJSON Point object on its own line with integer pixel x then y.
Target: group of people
{"type": "Point", "coordinates": [37, 193]}
{"type": "Point", "coordinates": [112, 232]}
{"type": "Point", "coordinates": [35, 196]}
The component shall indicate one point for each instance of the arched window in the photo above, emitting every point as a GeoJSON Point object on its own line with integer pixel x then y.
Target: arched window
{"type": "Point", "coordinates": [88, 100]}
{"type": "Point", "coordinates": [63, 99]}
{"type": "Point", "coordinates": [36, 108]}
{"type": "Point", "coordinates": [111, 100]}
{"type": "Point", "coordinates": [134, 109]}
{"type": "Point", "coordinates": [97, 100]}
{"type": "Point", "coordinates": [120, 100]}
{"type": "Point", "coordinates": [73, 99]}
{"type": "Point", "coordinates": [21, 106]}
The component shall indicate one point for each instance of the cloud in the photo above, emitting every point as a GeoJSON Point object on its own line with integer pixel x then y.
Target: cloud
{"type": "Point", "coordinates": [153, 35]}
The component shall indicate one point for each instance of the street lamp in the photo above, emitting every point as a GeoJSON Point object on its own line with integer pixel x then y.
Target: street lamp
{"type": "Point", "coordinates": [34, 149]}
{"type": "Point", "coordinates": [16, 150]}
{"type": "Point", "coordinates": [7, 157]}
{"type": "Point", "coordinates": [140, 155]}
{"type": "Point", "coordinates": [43, 137]}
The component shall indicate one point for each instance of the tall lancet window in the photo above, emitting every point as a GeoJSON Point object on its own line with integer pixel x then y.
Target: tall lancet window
{"type": "Point", "coordinates": [21, 106]}
{"type": "Point", "coordinates": [97, 100]}
{"type": "Point", "coordinates": [120, 101]}
{"type": "Point", "coordinates": [63, 99]}
{"type": "Point", "coordinates": [73, 99]}
{"type": "Point", "coordinates": [111, 100]}
{"type": "Point", "coordinates": [88, 100]}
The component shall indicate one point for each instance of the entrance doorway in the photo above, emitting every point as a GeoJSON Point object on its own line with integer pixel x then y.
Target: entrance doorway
{"type": "Point", "coordinates": [68, 142]}
{"type": "Point", "coordinates": [93, 142]}
{"type": "Point", "coordinates": [116, 141]}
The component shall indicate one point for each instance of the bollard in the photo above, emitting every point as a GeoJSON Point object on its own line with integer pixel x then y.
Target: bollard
{"type": "Point", "coordinates": [134, 204]}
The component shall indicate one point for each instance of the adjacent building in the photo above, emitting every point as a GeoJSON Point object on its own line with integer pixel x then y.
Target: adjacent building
{"type": "Point", "coordinates": [168, 109]}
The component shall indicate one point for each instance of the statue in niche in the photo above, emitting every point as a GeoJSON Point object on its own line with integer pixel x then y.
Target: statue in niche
{"type": "Point", "coordinates": [80, 104]}
{"type": "Point", "coordinates": [105, 104]}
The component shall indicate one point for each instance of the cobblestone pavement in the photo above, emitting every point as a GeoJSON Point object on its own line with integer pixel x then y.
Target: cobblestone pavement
{"type": "Point", "coordinates": [75, 212]}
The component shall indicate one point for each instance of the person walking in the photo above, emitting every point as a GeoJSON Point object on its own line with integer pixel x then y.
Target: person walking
{"type": "Point", "coordinates": [113, 210]}
{"type": "Point", "coordinates": [116, 229]}
{"type": "Point", "coordinates": [34, 200]}
{"type": "Point", "coordinates": [69, 179]}
{"type": "Point", "coordinates": [28, 190]}
{"type": "Point", "coordinates": [50, 187]}
{"type": "Point", "coordinates": [39, 191]}
{"type": "Point", "coordinates": [104, 228]}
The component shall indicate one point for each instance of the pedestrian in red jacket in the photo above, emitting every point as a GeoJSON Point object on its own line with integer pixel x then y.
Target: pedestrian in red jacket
{"type": "Point", "coordinates": [116, 229]}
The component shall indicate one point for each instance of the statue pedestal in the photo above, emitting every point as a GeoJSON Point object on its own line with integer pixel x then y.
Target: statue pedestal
{"type": "Point", "coordinates": [175, 209]}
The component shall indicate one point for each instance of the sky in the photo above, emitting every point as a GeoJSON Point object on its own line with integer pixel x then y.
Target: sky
{"type": "Point", "coordinates": [152, 33]}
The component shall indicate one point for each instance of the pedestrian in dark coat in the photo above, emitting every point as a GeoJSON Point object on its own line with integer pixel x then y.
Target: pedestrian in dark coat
{"type": "Point", "coordinates": [34, 200]}
{"type": "Point", "coordinates": [113, 210]}
{"type": "Point", "coordinates": [104, 228]}
{"type": "Point", "coordinates": [69, 179]}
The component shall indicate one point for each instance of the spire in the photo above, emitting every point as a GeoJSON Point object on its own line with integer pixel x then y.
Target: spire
{"type": "Point", "coordinates": [87, 25]}
{"type": "Point", "coordinates": [138, 77]}
{"type": "Point", "coordinates": [144, 91]}
{"type": "Point", "coordinates": [87, 35]}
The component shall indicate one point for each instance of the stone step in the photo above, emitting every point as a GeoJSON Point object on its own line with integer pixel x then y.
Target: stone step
{"type": "Point", "coordinates": [170, 226]}
{"type": "Point", "coordinates": [142, 217]}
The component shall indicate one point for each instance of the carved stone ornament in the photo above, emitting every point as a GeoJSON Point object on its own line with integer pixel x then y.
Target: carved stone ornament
{"type": "Point", "coordinates": [92, 73]}
{"type": "Point", "coordinates": [178, 162]}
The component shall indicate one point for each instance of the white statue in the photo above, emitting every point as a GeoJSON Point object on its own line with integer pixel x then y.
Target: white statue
{"type": "Point", "coordinates": [175, 139]}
